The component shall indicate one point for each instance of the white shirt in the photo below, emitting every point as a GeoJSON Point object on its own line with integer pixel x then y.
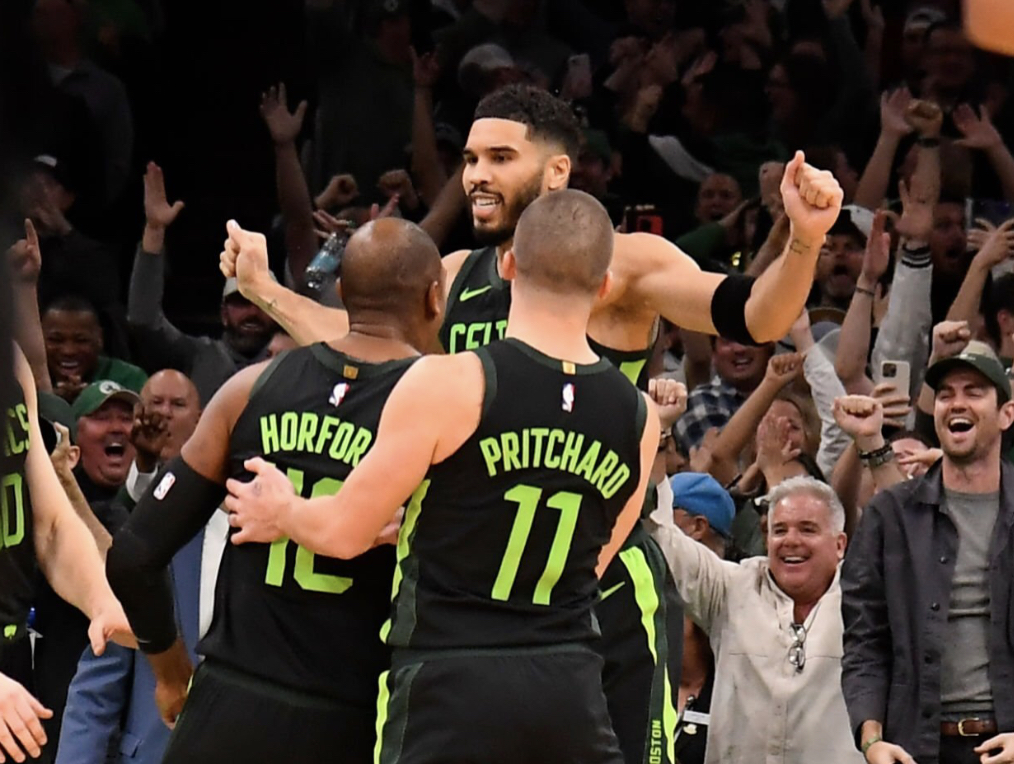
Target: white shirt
{"type": "Point", "coordinates": [762, 709]}
{"type": "Point", "coordinates": [215, 534]}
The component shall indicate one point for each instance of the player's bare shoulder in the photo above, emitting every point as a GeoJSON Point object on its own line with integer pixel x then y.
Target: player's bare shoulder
{"type": "Point", "coordinates": [452, 264]}
{"type": "Point", "coordinates": [637, 256]}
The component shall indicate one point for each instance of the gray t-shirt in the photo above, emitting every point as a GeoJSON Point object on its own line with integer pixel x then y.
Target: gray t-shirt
{"type": "Point", "coordinates": [964, 686]}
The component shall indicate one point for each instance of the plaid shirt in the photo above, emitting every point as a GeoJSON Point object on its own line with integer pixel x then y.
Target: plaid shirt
{"type": "Point", "coordinates": [710, 405]}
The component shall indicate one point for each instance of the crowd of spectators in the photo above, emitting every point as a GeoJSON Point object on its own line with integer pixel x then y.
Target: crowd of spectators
{"type": "Point", "coordinates": [146, 125]}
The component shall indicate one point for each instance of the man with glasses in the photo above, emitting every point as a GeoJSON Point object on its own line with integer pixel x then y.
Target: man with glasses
{"type": "Point", "coordinates": [775, 627]}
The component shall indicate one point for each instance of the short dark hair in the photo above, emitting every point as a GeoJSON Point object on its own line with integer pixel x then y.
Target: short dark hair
{"type": "Point", "coordinates": [564, 242]}
{"type": "Point", "coordinates": [909, 435]}
{"type": "Point", "coordinates": [547, 117]}
{"type": "Point", "coordinates": [71, 303]}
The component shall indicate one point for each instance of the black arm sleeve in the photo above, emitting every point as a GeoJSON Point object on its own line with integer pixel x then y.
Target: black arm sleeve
{"type": "Point", "coordinates": [179, 503]}
{"type": "Point", "coordinates": [728, 308]}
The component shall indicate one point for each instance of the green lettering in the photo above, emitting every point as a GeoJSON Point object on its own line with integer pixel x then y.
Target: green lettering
{"type": "Point", "coordinates": [303, 571]}
{"type": "Point", "coordinates": [327, 426]}
{"type": "Point", "coordinates": [571, 451]}
{"type": "Point", "coordinates": [552, 460]}
{"type": "Point", "coordinates": [605, 468]}
{"type": "Point", "coordinates": [538, 433]}
{"type": "Point", "coordinates": [491, 453]}
{"type": "Point", "coordinates": [18, 444]}
{"type": "Point", "coordinates": [510, 451]}
{"type": "Point", "coordinates": [340, 444]}
{"type": "Point", "coordinates": [308, 424]}
{"type": "Point", "coordinates": [22, 411]}
{"type": "Point", "coordinates": [457, 330]}
{"type": "Point", "coordinates": [269, 434]}
{"type": "Point", "coordinates": [290, 430]}
{"type": "Point", "coordinates": [587, 466]}
{"type": "Point", "coordinates": [471, 343]}
{"type": "Point", "coordinates": [501, 328]}
{"type": "Point", "coordinates": [616, 481]}
{"type": "Point", "coordinates": [12, 524]}
{"type": "Point", "coordinates": [359, 445]}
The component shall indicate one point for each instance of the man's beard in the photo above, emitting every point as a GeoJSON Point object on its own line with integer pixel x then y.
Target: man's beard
{"type": "Point", "coordinates": [245, 343]}
{"type": "Point", "coordinates": [493, 237]}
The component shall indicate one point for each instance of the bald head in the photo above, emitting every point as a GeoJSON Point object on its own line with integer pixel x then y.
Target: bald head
{"type": "Point", "coordinates": [564, 243]}
{"type": "Point", "coordinates": [388, 267]}
{"type": "Point", "coordinates": [171, 395]}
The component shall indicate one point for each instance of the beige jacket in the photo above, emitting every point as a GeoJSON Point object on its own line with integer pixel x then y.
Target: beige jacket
{"type": "Point", "coordinates": [762, 709]}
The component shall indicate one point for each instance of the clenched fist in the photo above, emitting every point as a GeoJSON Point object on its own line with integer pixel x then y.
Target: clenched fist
{"type": "Point", "coordinates": [861, 418]}
{"type": "Point", "coordinates": [245, 257]}
{"type": "Point", "coordinates": [812, 200]}
{"type": "Point", "coordinates": [671, 398]}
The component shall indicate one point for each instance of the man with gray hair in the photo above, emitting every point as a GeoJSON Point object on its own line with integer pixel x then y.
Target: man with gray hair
{"type": "Point", "coordinates": [775, 627]}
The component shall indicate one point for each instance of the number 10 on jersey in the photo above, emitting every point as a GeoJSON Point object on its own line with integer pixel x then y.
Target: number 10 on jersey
{"type": "Point", "coordinates": [302, 570]}
{"type": "Point", "coordinates": [527, 498]}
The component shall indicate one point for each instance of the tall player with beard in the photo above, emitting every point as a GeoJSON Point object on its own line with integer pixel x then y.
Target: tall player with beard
{"type": "Point", "coordinates": [521, 146]}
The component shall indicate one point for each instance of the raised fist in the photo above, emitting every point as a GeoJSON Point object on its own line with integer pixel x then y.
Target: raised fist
{"type": "Point", "coordinates": [949, 338]}
{"type": "Point", "coordinates": [783, 368]}
{"type": "Point", "coordinates": [245, 257]}
{"type": "Point", "coordinates": [860, 417]}
{"type": "Point", "coordinates": [812, 200]}
{"type": "Point", "coordinates": [340, 191]}
{"type": "Point", "coordinates": [671, 398]}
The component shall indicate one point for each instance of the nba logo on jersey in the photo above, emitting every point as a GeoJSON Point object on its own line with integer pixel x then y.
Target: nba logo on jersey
{"type": "Point", "coordinates": [568, 397]}
{"type": "Point", "coordinates": [163, 487]}
{"type": "Point", "coordinates": [339, 393]}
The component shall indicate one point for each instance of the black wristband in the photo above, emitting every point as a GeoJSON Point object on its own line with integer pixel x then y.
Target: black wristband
{"type": "Point", "coordinates": [880, 456]}
{"type": "Point", "coordinates": [728, 308]}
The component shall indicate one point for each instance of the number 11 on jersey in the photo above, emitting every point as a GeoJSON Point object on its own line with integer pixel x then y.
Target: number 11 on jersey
{"type": "Point", "coordinates": [527, 498]}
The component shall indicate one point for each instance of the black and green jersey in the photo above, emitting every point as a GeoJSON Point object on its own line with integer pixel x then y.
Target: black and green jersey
{"type": "Point", "coordinates": [17, 546]}
{"type": "Point", "coordinates": [477, 309]}
{"type": "Point", "coordinates": [477, 305]}
{"type": "Point", "coordinates": [282, 613]}
{"type": "Point", "coordinates": [632, 363]}
{"type": "Point", "coordinates": [499, 545]}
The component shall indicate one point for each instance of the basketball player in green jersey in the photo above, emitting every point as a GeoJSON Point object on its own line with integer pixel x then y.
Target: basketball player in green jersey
{"type": "Point", "coordinates": [519, 492]}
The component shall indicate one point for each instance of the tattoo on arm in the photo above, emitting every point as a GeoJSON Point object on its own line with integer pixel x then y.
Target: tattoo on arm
{"type": "Point", "coordinates": [798, 247]}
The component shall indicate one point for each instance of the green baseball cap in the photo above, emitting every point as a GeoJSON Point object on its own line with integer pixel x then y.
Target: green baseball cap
{"type": "Point", "coordinates": [976, 355]}
{"type": "Point", "coordinates": [97, 394]}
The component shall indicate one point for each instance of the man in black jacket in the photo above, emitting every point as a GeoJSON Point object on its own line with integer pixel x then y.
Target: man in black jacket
{"type": "Point", "coordinates": [928, 666]}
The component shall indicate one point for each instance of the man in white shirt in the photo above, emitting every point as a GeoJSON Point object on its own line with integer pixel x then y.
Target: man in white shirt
{"type": "Point", "coordinates": [775, 627]}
